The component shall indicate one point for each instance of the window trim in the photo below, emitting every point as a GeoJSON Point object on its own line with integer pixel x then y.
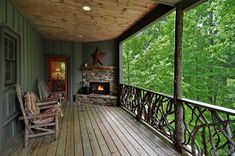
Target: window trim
{"type": "Point", "coordinates": [12, 61]}
{"type": "Point", "coordinates": [6, 30]}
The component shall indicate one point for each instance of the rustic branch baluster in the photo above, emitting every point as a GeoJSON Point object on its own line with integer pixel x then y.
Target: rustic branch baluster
{"type": "Point", "coordinates": [209, 129]}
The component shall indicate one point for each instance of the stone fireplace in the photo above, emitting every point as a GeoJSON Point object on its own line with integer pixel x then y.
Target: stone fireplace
{"type": "Point", "coordinates": [102, 81]}
{"type": "Point", "coordinates": [104, 77]}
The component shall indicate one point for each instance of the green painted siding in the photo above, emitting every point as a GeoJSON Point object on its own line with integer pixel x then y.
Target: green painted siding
{"type": "Point", "coordinates": [108, 47]}
{"type": "Point", "coordinates": [79, 54]}
{"type": "Point", "coordinates": [32, 66]}
{"type": "Point", "coordinates": [73, 51]}
{"type": "Point", "coordinates": [77, 64]}
{"type": "Point", "coordinates": [32, 50]}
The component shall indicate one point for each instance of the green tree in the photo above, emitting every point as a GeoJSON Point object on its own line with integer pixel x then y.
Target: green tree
{"type": "Point", "coordinates": [208, 54]}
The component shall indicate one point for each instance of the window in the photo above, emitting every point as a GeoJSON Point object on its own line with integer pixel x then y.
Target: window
{"type": "Point", "coordinates": [209, 58]}
{"type": "Point", "coordinates": [10, 49]}
{"type": "Point", "coordinates": [148, 57]}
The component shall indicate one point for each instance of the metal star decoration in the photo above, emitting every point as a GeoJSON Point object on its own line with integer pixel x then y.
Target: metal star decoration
{"type": "Point", "coordinates": [98, 57]}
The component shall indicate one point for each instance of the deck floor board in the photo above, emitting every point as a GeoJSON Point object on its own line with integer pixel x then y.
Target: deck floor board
{"type": "Point", "coordinates": [94, 130]}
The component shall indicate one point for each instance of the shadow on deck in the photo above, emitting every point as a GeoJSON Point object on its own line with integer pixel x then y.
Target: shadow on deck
{"type": "Point", "coordinates": [96, 130]}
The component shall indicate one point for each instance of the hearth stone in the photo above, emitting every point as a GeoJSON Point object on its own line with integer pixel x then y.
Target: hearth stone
{"type": "Point", "coordinates": [108, 100]}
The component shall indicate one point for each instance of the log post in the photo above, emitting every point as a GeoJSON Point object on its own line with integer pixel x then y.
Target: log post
{"type": "Point", "coordinates": [179, 125]}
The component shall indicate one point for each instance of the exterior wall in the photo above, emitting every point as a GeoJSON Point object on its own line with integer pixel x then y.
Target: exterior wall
{"type": "Point", "coordinates": [32, 52]}
{"type": "Point", "coordinates": [77, 64]}
{"type": "Point", "coordinates": [73, 51]}
{"type": "Point", "coordinates": [31, 58]}
{"type": "Point", "coordinates": [80, 53]}
{"type": "Point", "coordinates": [108, 47]}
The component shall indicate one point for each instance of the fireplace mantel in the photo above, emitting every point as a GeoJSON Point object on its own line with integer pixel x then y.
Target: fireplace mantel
{"type": "Point", "coordinates": [98, 68]}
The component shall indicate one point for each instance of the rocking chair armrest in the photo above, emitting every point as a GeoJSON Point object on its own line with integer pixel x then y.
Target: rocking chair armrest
{"type": "Point", "coordinates": [46, 107]}
{"type": "Point", "coordinates": [60, 92]}
{"type": "Point", "coordinates": [50, 99]}
{"type": "Point", "coordinates": [38, 116]}
{"type": "Point", "coordinates": [56, 93]}
{"type": "Point", "coordinates": [47, 103]}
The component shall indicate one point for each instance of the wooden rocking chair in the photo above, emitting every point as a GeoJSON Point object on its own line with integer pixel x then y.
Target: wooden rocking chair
{"type": "Point", "coordinates": [46, 95]}
{"type": "Point", "coordinates": [37, 122]}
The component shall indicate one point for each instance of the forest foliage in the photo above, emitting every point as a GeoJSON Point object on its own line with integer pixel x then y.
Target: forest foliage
{"type": "Point", "coordinates": [208, 54]}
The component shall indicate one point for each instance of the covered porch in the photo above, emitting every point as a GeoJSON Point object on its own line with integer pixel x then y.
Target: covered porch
{"type": "Point", "coordinates": [87, 35]}
{"type": "Point", "coordinates": [96, 130]}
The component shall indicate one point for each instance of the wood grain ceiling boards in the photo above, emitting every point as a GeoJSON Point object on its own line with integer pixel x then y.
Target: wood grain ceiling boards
{"type": "Point", "coordinates": [65, 19]}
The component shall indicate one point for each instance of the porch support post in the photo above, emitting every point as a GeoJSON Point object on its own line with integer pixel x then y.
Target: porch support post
{"type": "Point", "coordinates": [179, 117]}
{"type": "Point", "coordinates": [119, 71]}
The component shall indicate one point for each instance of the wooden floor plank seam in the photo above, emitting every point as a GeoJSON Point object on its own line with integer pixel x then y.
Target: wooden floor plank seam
{"type": "Point", "coordinates": [60, 150]}
{"type": "Point", "coordinates": [15, 143]}
{"type": "Point", "coordinates": [135, 145]}
{"type": "Point", "coordinates": [52, 149]}
{"type": "Point", "coordinates": [26, 149]}
{"type": "Point", "coordinates": [67, 129]}
{"type": "Point", "coordinates": [91, 134]}
{"type": "Point", "coordinates": [124, 141]}
{"type": "Point", "coordinates": [80, 133]}
{"type": "Point", "coordinates": [132, 128]}
{"type": "Point", "coordinates": [134, 135]}
{"type": "Point", "coordinates": [167, 148]}
{"type": "Point", "coordinates": [44, 145]}
{"type": "Point", "coordinates": [108, 139]}
{"type": "Point", "coordinates": [35, 147]}
{"type": "Point", "coordinates": [143, 128]}
{"type": "Point", "coordinates": [69, 150]}
{"type": "Point", "coordinates": [86, 140]}
{"type": "Point", "coordinates": [97, 134]}
{"type": "Point", "coordinates": [122, 150]}
{"type": "Point", "coordinates": [19, 147]}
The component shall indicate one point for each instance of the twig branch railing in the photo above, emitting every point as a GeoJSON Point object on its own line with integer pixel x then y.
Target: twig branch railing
{"type": "Point", "coordinates": [209, 129]}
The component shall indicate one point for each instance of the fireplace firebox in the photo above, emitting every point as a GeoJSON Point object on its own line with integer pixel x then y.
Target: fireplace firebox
{"type": "Point", "coordinates": [100, 87]}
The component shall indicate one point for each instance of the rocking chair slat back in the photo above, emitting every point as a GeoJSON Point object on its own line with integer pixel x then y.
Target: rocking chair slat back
{"type": "Point", "coordinates": [30, 100]}
{"type": "Point", "coordinates": [43, 89]}
{"type": "Point", "coordinates": [20, 98]}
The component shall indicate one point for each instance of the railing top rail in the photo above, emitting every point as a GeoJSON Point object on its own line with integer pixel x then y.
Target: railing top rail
{"type": "Point", "coordinates": [209, 106]}
{"type": "Point", "coordinates": [193, 102]}
{"type": "Point", "coordinates": [162, 94]}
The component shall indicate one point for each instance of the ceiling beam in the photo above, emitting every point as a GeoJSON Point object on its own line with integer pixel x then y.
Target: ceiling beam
{"type": "Point", "coordinates": [159, 11]}
{"type": "Point", "coordinates": [186, 4]}
{"type": "Point", "coordinates": [168, 2]}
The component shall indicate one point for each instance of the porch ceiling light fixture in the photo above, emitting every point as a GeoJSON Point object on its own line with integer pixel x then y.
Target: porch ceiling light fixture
{"type": "Point", "coordinates": [86, 8]}
{"type": "Point", "coordinates": [80, 35]}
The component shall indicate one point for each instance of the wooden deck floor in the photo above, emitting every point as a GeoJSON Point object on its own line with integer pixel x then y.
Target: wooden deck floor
{"type": "Point", "coordinates": [94, 130]}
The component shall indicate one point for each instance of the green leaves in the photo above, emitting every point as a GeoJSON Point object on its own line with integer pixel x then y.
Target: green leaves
{"type": "Point", "coordinates": [208, 54]}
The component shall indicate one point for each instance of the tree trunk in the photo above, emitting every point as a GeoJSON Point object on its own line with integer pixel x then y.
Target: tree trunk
{"type": "Point", "coordinates": [128, 68]}
{"type": "Point", "coordinates": [179, 125]}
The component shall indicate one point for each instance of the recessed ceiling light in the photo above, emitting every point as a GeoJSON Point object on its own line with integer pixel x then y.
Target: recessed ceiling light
{"type": "Point", "coordinates": [86, 8]}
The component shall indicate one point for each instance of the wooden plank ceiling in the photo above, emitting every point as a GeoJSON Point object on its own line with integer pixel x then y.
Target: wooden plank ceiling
{"type": "Point", "coordinates": [66, 20]}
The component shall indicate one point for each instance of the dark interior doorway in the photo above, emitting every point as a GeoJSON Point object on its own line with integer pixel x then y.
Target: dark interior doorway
{"type": "Point", "coordinates": [58, 74]}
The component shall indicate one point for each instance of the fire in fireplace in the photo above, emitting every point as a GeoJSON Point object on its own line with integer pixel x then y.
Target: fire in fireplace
{"type": "Point", "coordinates": [100, 87]}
